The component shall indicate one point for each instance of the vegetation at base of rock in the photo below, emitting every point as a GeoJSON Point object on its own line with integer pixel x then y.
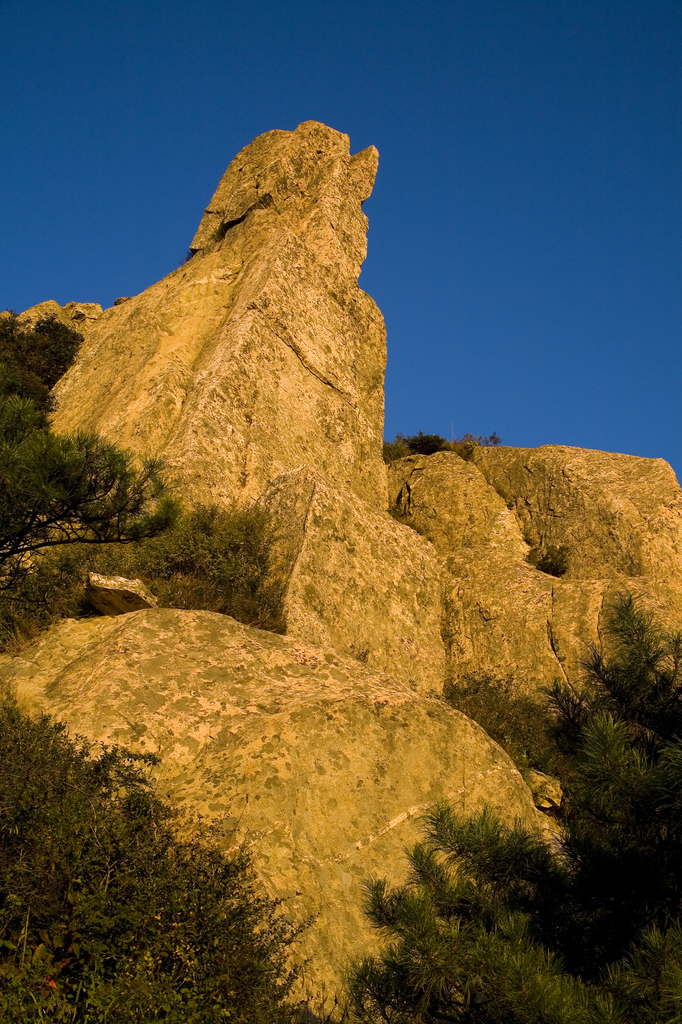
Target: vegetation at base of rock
{"type": "Point", "coordinates": [516, 720]}
{"type": "Point", "coordinates": [210, 558]}
{"type": "Point", "coordinates": [86, 498]}
{"type": "Point", "coordinates": [64, 490]}
{"type": "Point", "coordinates": [107, 911]}
{"type": "Point", "coordinates": [428, 444]}
{"type": "Point", "coordinates": [495, 925]}
{"type": "Point", "coordinates": [33, 358]}
{"type": "Point", "coordinates": [58, 490]}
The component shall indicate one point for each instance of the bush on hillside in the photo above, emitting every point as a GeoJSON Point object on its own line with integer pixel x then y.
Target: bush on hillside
{"type": "Point", "coordinates": [514, 719]}
{"type": "Point", "coordinates": [428, 444]}
{"type": "Point", "coordinates": [497, 926]}
{"type": "Point", "coordinates": [212, 559]}
{"type": "Point", "coordinates": [106, 913]}
{"type": "Point", "coordinates": [33, 358]}
{"type": "Point", "coordinates": [55, 490]}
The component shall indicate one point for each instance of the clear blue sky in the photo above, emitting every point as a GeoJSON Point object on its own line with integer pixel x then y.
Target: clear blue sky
{"type": "Point", "coordinates": [525, 226]}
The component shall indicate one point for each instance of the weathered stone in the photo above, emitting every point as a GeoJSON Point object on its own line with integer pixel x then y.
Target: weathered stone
{"type": "Point", "coordinates": [356, 580]}
{"type": "Point", "coordinates": [322, 767]}
{"type": "Point", "coordinates": [616, 515]}
{"type": "Point", "coordinates": [260, 353]}
{"type": "Point", "coordinates": [502, 614]}
{"type": "Point", "coordinates": [78, 315]}
{"type": "Point", "coordinates": [449, 501]}
{"type": "Point", "coordinates": [116, 595]}
{"type": "Point", "coordinates": [546, 790]}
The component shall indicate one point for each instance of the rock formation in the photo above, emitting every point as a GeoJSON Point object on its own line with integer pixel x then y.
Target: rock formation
{"type": "Point", "coordinates": [116, 595]}
{"type": "Point", "coordinates": [318, 765]}
{"type": "Point", "coordinates": [78, 315]}
{"type": "Point", "coordinates": [261, 353]}
{"type": "Point", "coordinates": [256, 370]}
{"type": "Point", "coordinates": [616, 518]}
{"type": "Point", "coordinates": [356, 580]}
{"type": "Point", "coordinates": [616, 515]}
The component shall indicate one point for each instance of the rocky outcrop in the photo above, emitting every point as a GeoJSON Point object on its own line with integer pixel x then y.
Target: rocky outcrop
{"type": "Point", "coordinates": [618, 519]}
{"type": "Point", "coordinates": [357, 581]}
{"type": "Point", "coordinates": [78, 315]}
{"type": "Point", "coordinates": [256, 371]}
{"type": "Point", "coordinates": [321, 767]}
{"type": "Point", "coordinates": [449, 501]}
{"type": "Point", "coordinates": [261, 353]}
{"type": "Point", "coordinates": [615, 515]}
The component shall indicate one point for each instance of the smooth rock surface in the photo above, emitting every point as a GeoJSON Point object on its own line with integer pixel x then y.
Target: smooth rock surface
{"type": "Point", "coordinates": [322, 766]}
{"type": "Point", "coordinates": [356, 580]}
{"type": "Point", "coordinates": [261, 353]}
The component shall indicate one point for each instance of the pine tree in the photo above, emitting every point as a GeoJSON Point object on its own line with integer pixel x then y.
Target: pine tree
{"type": "Point", "coordinates": [58, 490]}
{"type": "Point", "coordinates": [495, 926]}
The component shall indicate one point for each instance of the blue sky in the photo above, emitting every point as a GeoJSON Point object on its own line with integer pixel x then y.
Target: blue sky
{"type": "Point", "coordinates": [525, 227]}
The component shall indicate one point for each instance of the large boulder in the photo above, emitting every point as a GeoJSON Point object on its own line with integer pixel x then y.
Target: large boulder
{"type": "Point", "coordinates": [260, 353]}
{"type": "Point", "coordinates": [615, 515]}
{"type": "Point", "coordinates": [449, 501]}
{"type": "Point", "coordinates": [319, 766]}
{"type": "Point", "coordinates": [356, 580]}
{"type": "Point", "coordinates": [617, 520]}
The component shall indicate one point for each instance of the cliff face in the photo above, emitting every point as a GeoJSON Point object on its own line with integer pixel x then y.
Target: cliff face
{"type": "Point", "coordinates": [261, 353]}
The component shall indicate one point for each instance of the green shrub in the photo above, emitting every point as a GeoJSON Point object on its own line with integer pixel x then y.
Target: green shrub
{"type": "Point", "coordinates": [107, 910]}
{"type": "Point", "coordinates": [428, 444]}
{"type": "Point", "coordinates": [54, 490]}
{"type": "Point", "coordinates": [396, 449]}
{"type": "Point", "coordinates": [33, 358]}
{"type": "Point", "coordinates": [518, 722]}
{"type": "Point", "coordinates": [213, 559]}
{"type": "Point", "coordinates": [57, 491]}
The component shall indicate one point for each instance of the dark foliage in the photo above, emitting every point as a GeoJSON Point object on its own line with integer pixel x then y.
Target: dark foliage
{"type": "Point", "coordinates": [514, 719]}
{"type": "Point", "coordinates": [32, 359]}
{"type": "Point", "coordinates": [427, 444]}
{"type": "Point", "coordinates": [105, 912]}
{"type": "Point", "coordinates": [496, 926]}
{"type": "Point", "coordinates": [61, 490]}
{"type": "Point", "coordinates": [213, 559]}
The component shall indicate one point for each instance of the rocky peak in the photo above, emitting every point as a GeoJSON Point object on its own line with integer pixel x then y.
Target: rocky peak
{"type": "Point", "coordinates": [260, 354]}
{"type": "Point", "coordinates": [306, 179]}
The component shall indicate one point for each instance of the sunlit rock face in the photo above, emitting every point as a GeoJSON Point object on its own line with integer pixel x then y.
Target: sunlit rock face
{"type": "Point", "coordinates": [535, 543]}
{"type": "Point", "coordinates": [261, 353]}
{"type": "Point", "coordinates": [321, 767]}
{"type": "Point", "coordinates": [356, 580]}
